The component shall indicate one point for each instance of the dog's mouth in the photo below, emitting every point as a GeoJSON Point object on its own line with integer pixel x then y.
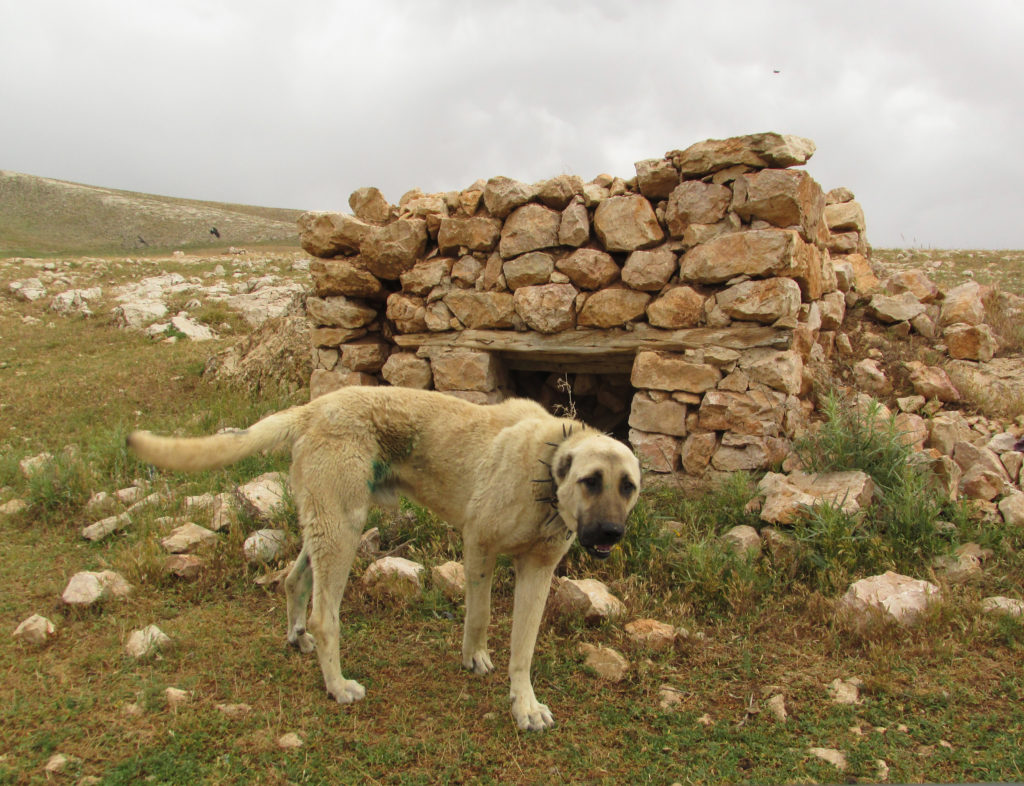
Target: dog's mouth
{"type": "Point", "coordinates": [599, 550]}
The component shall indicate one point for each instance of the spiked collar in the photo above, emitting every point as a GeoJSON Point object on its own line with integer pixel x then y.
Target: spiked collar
{"type": "Point", "coordinates": [547, 488]}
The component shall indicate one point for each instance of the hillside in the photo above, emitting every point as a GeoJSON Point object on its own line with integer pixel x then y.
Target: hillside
{"type": "Point", "coordinates": [41, 216]}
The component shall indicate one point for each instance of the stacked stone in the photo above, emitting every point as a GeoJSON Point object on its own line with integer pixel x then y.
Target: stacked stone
{"type": "Point", "coordinates": [709, 240]}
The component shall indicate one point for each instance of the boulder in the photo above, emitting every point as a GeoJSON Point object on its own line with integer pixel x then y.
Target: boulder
{"type": "Point", "coordinates": [657, 452]}
{"type": "Point", "coordinates": [479, 234]}
{"type": "Point", "coordinates": [588, 598]}
{"type": "Point", "coordinates": [530, 228]}
{"type": "Point", "coordinates": [557, 192]}
{"type": "Point", "coordinates": [339, 311]}
{"type": "Point", "coordinates": [342, 277]}
{"type": "Point", "coordinates": [407, 312]}
{"type": "Point", "coordinates": [391, 250]}
{"type": "Point", "coordinates": [466, 369]}
{"type": "Point", "coordinates": [147, 642]}
{"type": "Point", "coordinates": [845, 217]}
{"type": "Point", "coordinates": [915, 282]}
{"type": "Point", "coordinates": [970, 342]}
{"type": "Point", "coordinates": [450, 578]}
{"type": "Point", "coordinates": [932, 382]}
{"type": "Point", "coordinates": [530, 269]}
{"type": "Point", "coordinates": [669, 371]}
{"type": "Point", "coordinates": [607, 663]}
{"type": "Point", "coordinates": [325, 234]}
{"type": "Point", "coordinates": [761, 300]}
{"type": "Point", "coordinates": [185, 537]}
{"type": "Point", "coordinates": [888, 309]}
{"type": "Point", "coordinates": [695, 202]}
{"type": "Point", "coordinates": [963, 303]}
{"type": "Point", "coordinates": [651, 634]}
{"type": "Point", "coordinates": [364, 354]}
{"type": "Point", "coordinates": [612, 308]}
{"type": "Point", "coordinates": [550, 308]}
{"type": "Point", "coordinates": [502, 195]}
{"type": "Point", "coordinates": [404, 369]}
{"type": "Point", "coordinates": [627, 223]}
{"type": "Point", "coordinates": [369, 205]}
{"type": "Point", "coordinates": [744, 541]}
{"type": "Point", "coordinates": [696, 452]}
{"type": "Point", "coordinates": [263, 497]}
{"type": "Point", "coordinates": [758, 253]}
{"type": "Point", "coordinates": [88, 587]}
{"type": "Point", "coordinates": [574, 227]}
{"type": "Point", "coordinates": [589, 268]}
{"type": "Point", "coordinates": [264, 545]}
{"type": "Point", "coordinates": [784, 198]}
{"type": "Point", "coordinates": [679, 307]}
{"type": "Point", "coordinates": [1011, 507]}
{"type": "Point", "coordinates": [758, 151]}
{"type": "Point", "coordinates": [898, 597]}
{"type": "Point", "coordinates": [35, 630]}
{"type": "Point", "coordinates": [787, 497]}
{"type": "Point", "coordinates": [393, 577]}
{"type": "Point", "coordinates": [656, 178]}
{"type": "Point", "coordinates": [482, 310]}
{"type": "Point", "coordinates": [649, 270]}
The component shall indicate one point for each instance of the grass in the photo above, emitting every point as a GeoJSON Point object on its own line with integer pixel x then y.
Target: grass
{"type": "Point", "coordinates": [941, 702]}
{"type": "Point", "coordinates": [95, 220]}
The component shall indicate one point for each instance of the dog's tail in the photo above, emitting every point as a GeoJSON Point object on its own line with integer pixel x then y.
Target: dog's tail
{"type": "Point", "coordinates": [190, 454]}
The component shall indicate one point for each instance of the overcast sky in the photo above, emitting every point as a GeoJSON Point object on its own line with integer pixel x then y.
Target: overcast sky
{"type": "Point", "coordinates": [918, 107]}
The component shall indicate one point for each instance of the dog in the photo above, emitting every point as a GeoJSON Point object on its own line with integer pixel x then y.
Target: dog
{"type": "Point", "coordinates": [511, 477]}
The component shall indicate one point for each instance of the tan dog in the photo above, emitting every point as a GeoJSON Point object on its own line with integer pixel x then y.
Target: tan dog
{"type": "Point", "coordinates": [511, 477]}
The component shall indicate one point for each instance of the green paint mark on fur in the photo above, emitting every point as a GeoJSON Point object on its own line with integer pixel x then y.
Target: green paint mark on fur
{"type": "Point", "coordinates": [380, 474]}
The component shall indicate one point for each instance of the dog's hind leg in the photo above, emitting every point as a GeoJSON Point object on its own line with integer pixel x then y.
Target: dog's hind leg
{"type": "Point", "coordinates": [331, 549]}
{"type": "Point", "coordinates": [479, 567]}
{"type": "Point", "coordinates": [298, 587]}
{"type": "Point", "coordinates": [533, 582]}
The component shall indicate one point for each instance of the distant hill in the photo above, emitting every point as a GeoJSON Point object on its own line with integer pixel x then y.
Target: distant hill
{"type": "Point", "coordinates": [40, 216]}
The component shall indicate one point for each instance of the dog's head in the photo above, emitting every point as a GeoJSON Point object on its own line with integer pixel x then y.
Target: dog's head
{"type": "Point", "coordinates": [598, 482]}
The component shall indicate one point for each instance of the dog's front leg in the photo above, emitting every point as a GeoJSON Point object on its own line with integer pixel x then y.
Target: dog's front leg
{"type": "Point", "coordinates": [479, 568]}
{"type": "Point", "coordinates": [533, 582]}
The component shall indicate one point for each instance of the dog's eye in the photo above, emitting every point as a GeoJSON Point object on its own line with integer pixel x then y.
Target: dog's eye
{"type": "Point", "coordinates": [592, 483]}
{"type": "Point", "coordinates": [626, 487]}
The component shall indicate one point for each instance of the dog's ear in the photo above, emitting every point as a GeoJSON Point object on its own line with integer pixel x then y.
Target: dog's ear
{"type": "Point", "coordinates": [564, 465]}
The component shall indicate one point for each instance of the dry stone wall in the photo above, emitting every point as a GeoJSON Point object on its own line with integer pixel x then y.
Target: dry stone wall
{"type": "Point", "coordinates": [686, 301]}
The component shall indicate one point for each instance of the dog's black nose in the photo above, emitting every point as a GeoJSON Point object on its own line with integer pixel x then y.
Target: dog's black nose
{"type": "Point", "coordinates": [611, 531]}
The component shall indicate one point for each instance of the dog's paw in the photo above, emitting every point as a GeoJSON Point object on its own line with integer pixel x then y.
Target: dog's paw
{"type": "Point", "coordinates": [347, 692]}
{"type": "Point", "coordinates": [478, 662]}
{"type": "Point", "coordinates": [531, 715]}
{"type": "Point", "coordinates": [303, 642]}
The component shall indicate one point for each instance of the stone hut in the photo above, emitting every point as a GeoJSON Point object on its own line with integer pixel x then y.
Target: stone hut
{"type": "Point", "coordinates": [678, 309]}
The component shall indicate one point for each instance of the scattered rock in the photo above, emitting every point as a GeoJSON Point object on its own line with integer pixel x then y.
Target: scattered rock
{"type": "Point", "coordinates": [607, 663]}
{"type": "Point", "coordinates": [147, 642]}
{"type": "Point", "coordinates": [393, 577]}
{"type": "Point", "coordinates": [264, 545]}
{"type": "Point", "coordinates": [651, 634]}
{"type": "Point", "coordinates": [88, 587]}
{"type": "Point", "coordinates": [834, 757]}
{"type": "Point", "coordinates": [1002, 605]}
{"type": "Point", "coordinates": [587, 597]}
{"type": "Point", "coordinates": [36, 630]}
{"type": "Point", "coordinates": [176, 697]}
{"type": "Point", "coordinates": [777, 707]}
{"type": "Point", "coordinates": [900, 598]}
{"type": "Point", "coordinates": [450, 578]}
{"type": "Point", "coordinates": [234, 710]}
{"type": "Point", "coordinates": [187, 536]}
{"type": "Point", "coordinates": [263, 496]}
{"type": "Point", "coordinates": [289, 741]}
{"type": "Point", "coordinates": [846, 691]}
